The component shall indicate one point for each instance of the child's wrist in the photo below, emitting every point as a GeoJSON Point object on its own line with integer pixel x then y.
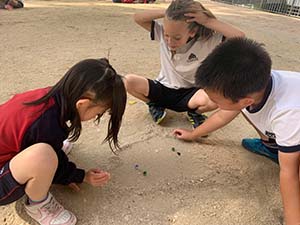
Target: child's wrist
{"type": "Point", "coordinates": [197, 134]}
{"type": "Point", "coordinates": [194, 135]}
{"type": "Point", "coordinates": [85, 178]}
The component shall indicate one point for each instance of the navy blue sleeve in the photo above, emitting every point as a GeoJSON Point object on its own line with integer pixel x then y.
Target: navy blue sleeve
{"type": "Point", "coordinates": [47, 129]}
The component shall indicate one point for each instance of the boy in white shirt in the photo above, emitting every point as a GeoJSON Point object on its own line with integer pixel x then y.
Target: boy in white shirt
{"type": "Point", "coordinates": [237, 76]}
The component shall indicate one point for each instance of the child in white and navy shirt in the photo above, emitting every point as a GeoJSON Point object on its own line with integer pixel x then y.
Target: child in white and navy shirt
{"type": "Point", "coordinates": [188, 34]}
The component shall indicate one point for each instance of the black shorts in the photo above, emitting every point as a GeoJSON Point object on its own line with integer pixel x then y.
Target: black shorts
{"type": "Point", "coordinates": [174, 99]}
{"type": "Point", "coordinates": [10, 189]}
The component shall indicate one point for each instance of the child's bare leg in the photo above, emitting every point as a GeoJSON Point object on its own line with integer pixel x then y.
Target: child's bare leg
{"type": "Point", "coordinates": [36, 167]}
{"type": "Point", "coordinates": [201, 102]}
{"type": "Point", "coordinates": [137, 86]}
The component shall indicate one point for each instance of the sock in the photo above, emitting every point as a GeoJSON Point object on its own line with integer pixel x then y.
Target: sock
{"type": "Point", "coordinates": [34, 202]}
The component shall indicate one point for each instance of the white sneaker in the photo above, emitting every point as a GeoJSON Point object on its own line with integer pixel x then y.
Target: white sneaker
{"type": "Point", "coordinates": [50, 212]}
{"type": "Point", "coordinates": [67, 146]}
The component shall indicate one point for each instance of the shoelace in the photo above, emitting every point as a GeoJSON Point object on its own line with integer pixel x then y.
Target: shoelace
{"type": "Point", "coordinates": [53, 206]}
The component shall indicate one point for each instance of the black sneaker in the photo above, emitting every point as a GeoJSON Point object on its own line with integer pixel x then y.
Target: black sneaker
{"type": "Point", "coordinates": [196, 119]}
{"type": "Point", "coordinates": [157, 113]}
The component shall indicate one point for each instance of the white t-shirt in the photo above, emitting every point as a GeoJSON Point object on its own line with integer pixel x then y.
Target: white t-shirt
{"type": "Point", "coordinates": [180, 71]}
{"type": "Point", "coordinates": [279, 116]}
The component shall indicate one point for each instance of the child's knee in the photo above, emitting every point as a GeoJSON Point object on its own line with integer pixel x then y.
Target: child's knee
{"type": "Point", "coordinates": [41, 156]}
{"type": "Point", "coordinates": [45, 155]}
{"type": "Point", "coordinates": [201, 102]}
{"type": "Point", "coordinates": [35, 161]}
{"type": "Point", "coordinates": [199, 99]}
{"type": "Point", "coordinates": [129, 81]}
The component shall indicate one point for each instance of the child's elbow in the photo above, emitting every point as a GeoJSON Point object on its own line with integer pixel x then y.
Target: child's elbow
{"type": "Point", "coordinates": [241, 34]}
{"type": "Point", "coordinates": [137, 18]}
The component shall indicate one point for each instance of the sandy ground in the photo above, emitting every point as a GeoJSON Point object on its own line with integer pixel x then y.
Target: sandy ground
{"type": "Point", "coordinates": [214, 181]}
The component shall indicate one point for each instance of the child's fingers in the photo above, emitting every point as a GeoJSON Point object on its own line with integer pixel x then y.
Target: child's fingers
{"type": "Point", "coordinates": [190, 17]}
{"type": "Point", "coordinates": [74, 186]}
{"type": "Point", "coordinates": [196, 17]}
{"type": "Point", "coordinates": [98, 177]}
{"type": "Point", "coordinates": [102, 179]}
{"type": "Point", "coordinates": [101, 176]}
{"type": "Point", "coordinates": [99, 173]}
{"type": "Point", "coordinates": [96, 170]}
{"type": "Point", "coordinates": [190, 20]}
{"type": "Point", "coordinates": [177, 133]}
{"type": "Point", "coordinates": [99, 181]}
{"type": "Point", "coordinates": [190, 14]}
{"type": "Point", "coordinates": [194, 14]}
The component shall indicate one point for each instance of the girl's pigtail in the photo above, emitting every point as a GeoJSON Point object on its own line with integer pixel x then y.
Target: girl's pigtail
{"type": "Point", "coordinates": [119, 98]}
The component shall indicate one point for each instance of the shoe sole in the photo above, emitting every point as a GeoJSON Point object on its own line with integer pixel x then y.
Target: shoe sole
{"type": "Point", "coordinates": [161, 118]}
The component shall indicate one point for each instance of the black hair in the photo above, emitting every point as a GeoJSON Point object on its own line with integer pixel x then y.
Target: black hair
{"type": "Point", "coordinates": [178, 8]}
{"type": "Point", "coordinates": [95, 76]}
{"type": "Point", "coordinates": [235, 68]}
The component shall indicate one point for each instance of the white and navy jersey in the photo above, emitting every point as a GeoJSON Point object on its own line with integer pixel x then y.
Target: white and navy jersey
{"type": "Point", "coordinates": [179, 71]}
{"type": "Point", "coordinates": [278, 115]}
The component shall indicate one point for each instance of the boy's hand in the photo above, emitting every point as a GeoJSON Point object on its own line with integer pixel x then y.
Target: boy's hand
{"type": "Point", "coordinates": [96, 177]}
{"type": "Point", "coordinates": [184, 134]}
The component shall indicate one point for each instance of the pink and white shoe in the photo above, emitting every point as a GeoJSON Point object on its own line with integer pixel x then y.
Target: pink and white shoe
{"type": "Point", "coordinates": [50, 212]}
{"type": "Point", "coordinates": [8, 7]}
{"type": "Point", "coordinates": [67, 146]}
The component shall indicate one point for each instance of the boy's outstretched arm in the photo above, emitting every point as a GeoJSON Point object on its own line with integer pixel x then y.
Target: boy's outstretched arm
{"type": "Point", "coordinates": [145, 18]}
{"type": "Point", "coordinates": [290, 186]}
{"type": "Point", "coordinates": [226, 29]}
{"type": "Point", "coordinates": [214, 122]}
